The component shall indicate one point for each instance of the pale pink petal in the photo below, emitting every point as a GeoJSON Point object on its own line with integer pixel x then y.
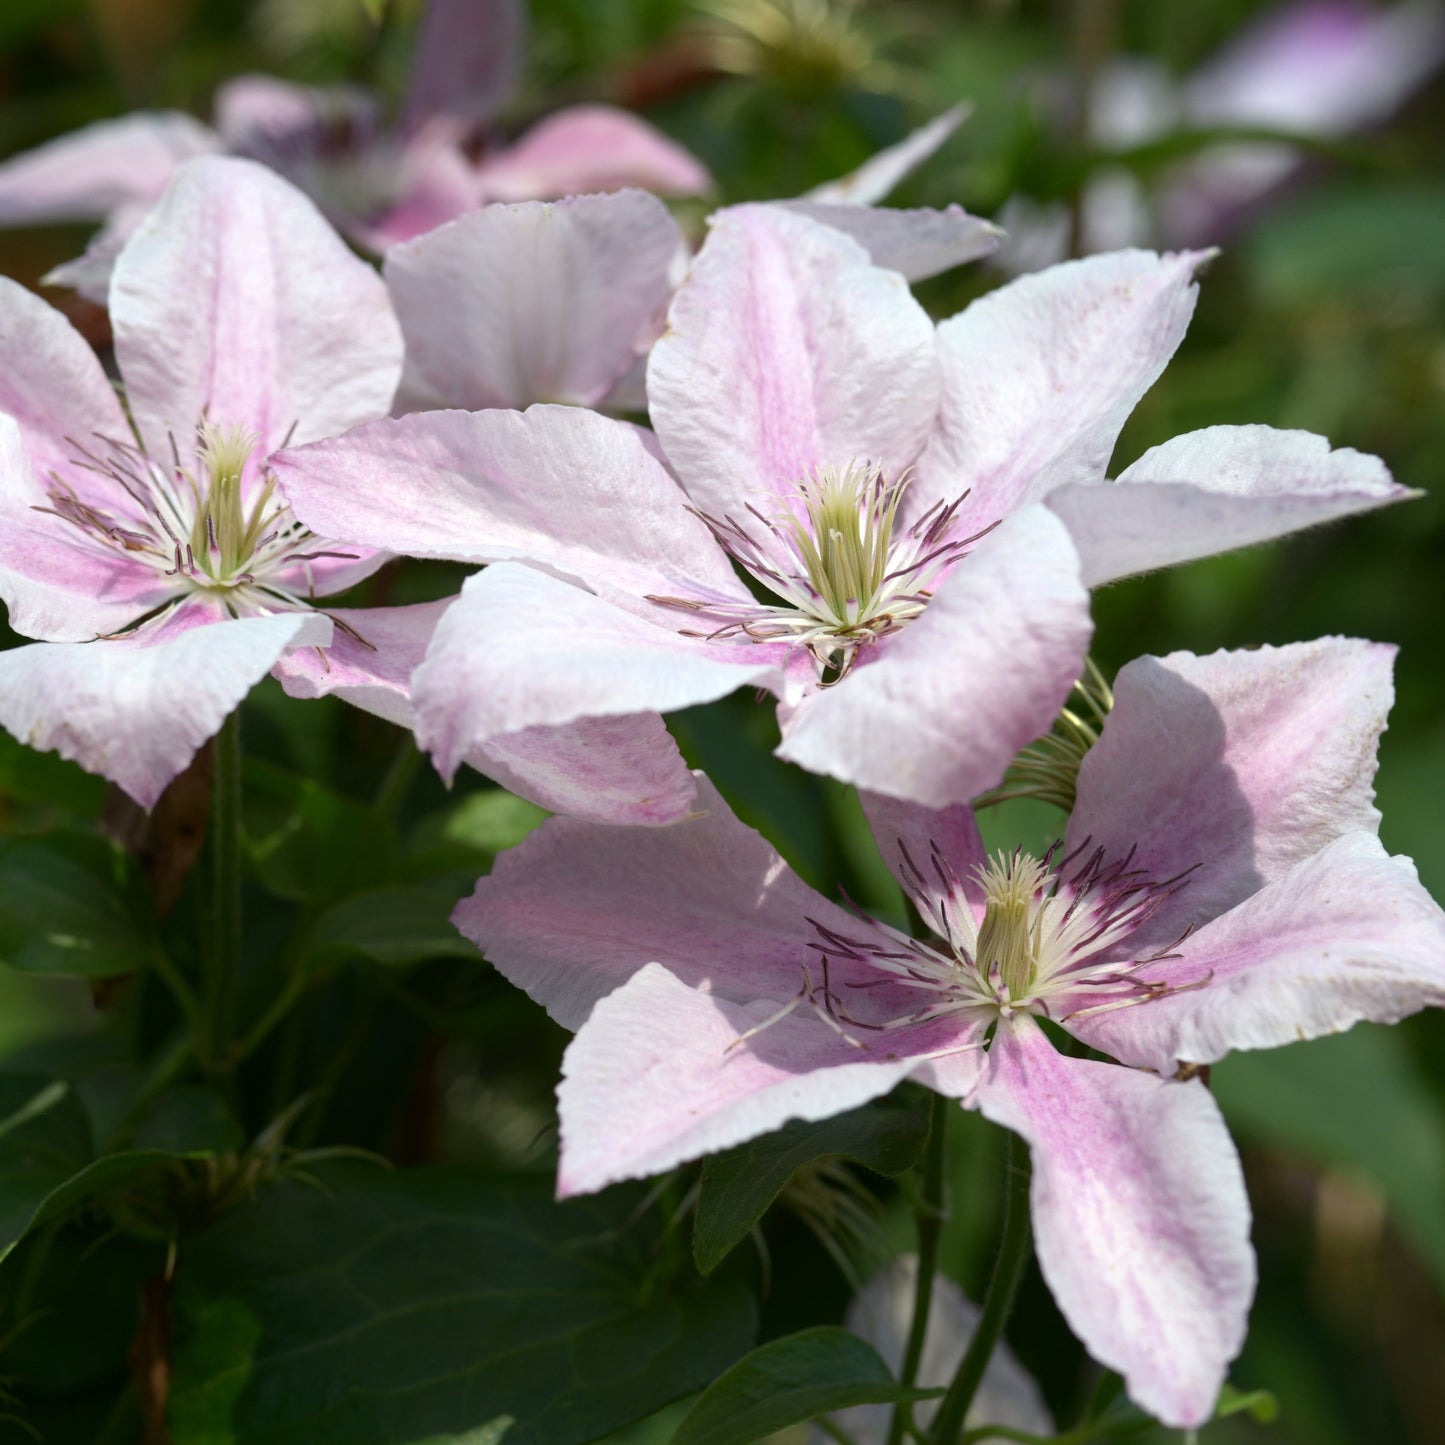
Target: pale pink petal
{"type": "Point", "coordinates": [370, 660]}
{"type": "Point", "coordinates": [941, 844]}
{"type": "Point", "coordinates": [1237, 765]}
{"type": "Point", "coordinates": [1040, 376]}
{"type": "Point", "coordinates": [880, 173]}
{"type": "Point", "coordinates": [613, 770]}
{"type": "Point", "coordinates": [57, 582]}
{"type": "Point", "coordinates": [468, 54]}
{"type": "Point", "coordinates": [543, 301]}
{"type": "Point", "coordinates": [625, 770]}
{"type": "Point", "coordinates": [655, 1078]}
{"type": "Point", "coordinates": [787, 350]}
{"type": "Point", "coordinates": [576, 492]}
{"type": "Point", "coordinates": [940, 709]}
{"type": "Point", "coordinates": [1348, 934]}
{"type": "Point", "coordinates": [1210, 491]}
{"type": "Point", "coordinates": [590, 148]}
{"type": "Point", "coordinates": [521, 649]}
{"type": "Point", "coordinates": [135, 710]}
{"type": "Point", "coordinates": [576, 909]}
{"type": "Point", "coordinates": [916, 244]}
{"type": "Point", "coordinates": [882, 1313]}
{"type": "Point", "coordinates": [236, 300]}
{"type": "Point", "coordinates": [84, 175]}
{"type": "Point", "coordinates": [53, 384]}
{"type": "Point", "coordinates": [1140, 1217]}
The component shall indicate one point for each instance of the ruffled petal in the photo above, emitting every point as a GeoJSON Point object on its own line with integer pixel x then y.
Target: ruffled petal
{"type": "Point", "coordinates": [1040, 376]}
{"type": "Point", "coordinates": [1140, 1216]}
{"type": "Point", "coordinates": [85, 175]}
{"type": "Point", "coordinates": [136, 709]}
{"type": "Point", "coordinates": [1233, 767]}
{"type": "Point", "coordinates": [940, 709]}
{"type": "Point", "coordinates": [787, 351]}
{"type": "Point", "coordinates": [1348, 934]}
{"type": "Point", "coordinates": [520, 649]}
{"type": "Point", "coordinates": [543, 301]}
{"type": "Point", "coordinates": [236, 301]}
{"type": "Point", "coordinates": [656, 1078]}
{"type": "Point", "coordinates": [587, 148]}
{"type": "Point", "coordinates": [575, 492]}
{"type": "Point", "coordinates": [1213, 490]}
{"type": "Point", "coordinates": [575, 910]}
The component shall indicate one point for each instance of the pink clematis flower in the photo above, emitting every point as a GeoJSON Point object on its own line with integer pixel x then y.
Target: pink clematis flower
{"type": "Point", "coordinates": [924, 510]}
{"type": "Point", "coordinates": [1219, 886]}
{"type": "Point", "coordinates": [149, 548]}
{"type": "Point", "coordinates": [377, 182]}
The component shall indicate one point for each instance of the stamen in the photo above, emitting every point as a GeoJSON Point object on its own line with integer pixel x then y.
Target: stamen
{"type": "Point", "coordinates": [844, 575]}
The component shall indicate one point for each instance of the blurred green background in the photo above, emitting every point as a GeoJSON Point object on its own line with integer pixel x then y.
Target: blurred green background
{"type": "Point", "coordinates": [1324, 312]}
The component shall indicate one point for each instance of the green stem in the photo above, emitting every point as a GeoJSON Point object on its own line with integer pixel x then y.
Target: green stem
{"type": "Point", "coordinates": [1013, 1254]}
{"type": "Point", "coordinates": [931, 1212]}
{"type": "Point", "coordinates": [1081, 1435]}
{"type": "Point", "coordinates": [225, 921]}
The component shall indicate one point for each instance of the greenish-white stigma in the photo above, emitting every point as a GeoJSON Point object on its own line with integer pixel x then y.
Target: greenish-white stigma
{"type": "Point", "coordinates": [224, 535]}
{"type": "Point", "coordinates": [844, 572]}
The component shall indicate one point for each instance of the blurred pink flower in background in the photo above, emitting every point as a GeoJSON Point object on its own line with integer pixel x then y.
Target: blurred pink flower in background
{"type": "Point", "coordinates": [1316, 68]}
{"type": "Point", "coordinates": [379, 182]}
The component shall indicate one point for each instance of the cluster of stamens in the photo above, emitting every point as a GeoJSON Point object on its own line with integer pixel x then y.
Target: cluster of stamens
{"type": "Point", "coordinates": [843, 571]}
{"type": "Point", "coordinates": [192, 524]}
{"type": "Point", "coordinates": [1053, 941]}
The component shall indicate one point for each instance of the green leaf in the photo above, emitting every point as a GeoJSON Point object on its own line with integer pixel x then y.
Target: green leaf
{"type": "Point", "coordinates": [790, 1380]}
{"type": "Point", "coordinates": [1354, 1101]}
{"type": "Point", "coordinates": [189, 1120]}
{"type": "Point", "coordinates": [308, 843]}
{"type": "Point", "coordinates": [72, 903]}
{"type": "Point", "coordinates": [1259, 1405]}
{"type": "Point", "coordinates": [398, 1308]}
{"type": "Point", "coordinates": [394, 926]}
{"type": "Point", "coordinates": [886, 1136]}
{"type": "Point", "coordinates": [48, 1162]}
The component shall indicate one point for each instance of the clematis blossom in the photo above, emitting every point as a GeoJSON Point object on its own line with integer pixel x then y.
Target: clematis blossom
{"type": "Point", "coordinates": [148, 547]}
{"type": "Point", "coordinates": [380, 183]}
{"type": "Point", "coordinates": [1220, 885]}
{"type": "Point", "coordinates": [919, 511]}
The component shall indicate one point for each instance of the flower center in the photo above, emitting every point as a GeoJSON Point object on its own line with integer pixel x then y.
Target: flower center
{"type": "Point", "coordinates": [193, 525]}
{"type": "Point", "coordinates": [843, 572]}
{"type": "Point", "coordinates": [1053, 941]}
